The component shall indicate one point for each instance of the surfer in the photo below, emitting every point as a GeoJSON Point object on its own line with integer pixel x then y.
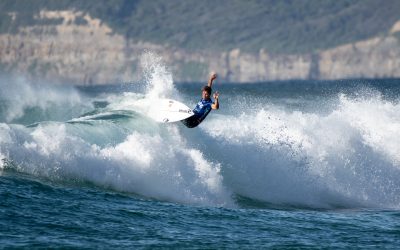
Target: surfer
{"type": "Point", "coordinates": [204, 106]}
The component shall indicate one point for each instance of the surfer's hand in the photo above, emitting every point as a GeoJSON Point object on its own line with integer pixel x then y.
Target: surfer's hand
{"type": "Point", "coordinates": [216, 95]}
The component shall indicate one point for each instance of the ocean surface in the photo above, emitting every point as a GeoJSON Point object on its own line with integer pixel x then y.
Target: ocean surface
{"type": "Point", "coordinates": [297, 164]}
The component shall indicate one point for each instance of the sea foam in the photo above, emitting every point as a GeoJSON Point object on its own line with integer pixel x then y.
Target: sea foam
{"type": "Point", "coordinates": [346, 158]}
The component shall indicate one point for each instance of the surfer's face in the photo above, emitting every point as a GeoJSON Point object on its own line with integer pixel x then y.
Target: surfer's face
{"type": "Point", "coordinates": [205, 95]}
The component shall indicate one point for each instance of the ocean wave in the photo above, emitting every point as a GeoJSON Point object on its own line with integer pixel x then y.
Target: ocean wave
{"type": "Point", "coordinates": [339, 154]}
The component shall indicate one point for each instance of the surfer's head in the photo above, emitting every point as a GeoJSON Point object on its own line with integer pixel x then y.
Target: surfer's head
{"type": "Point", "coordinates": [206, 94]}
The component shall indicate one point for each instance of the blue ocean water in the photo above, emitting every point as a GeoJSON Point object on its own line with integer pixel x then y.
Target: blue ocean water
{"type": "Point", "coordinates": [298, 164]}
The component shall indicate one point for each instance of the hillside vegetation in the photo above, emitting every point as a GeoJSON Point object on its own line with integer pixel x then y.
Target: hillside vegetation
{"type": "Point", "coordinates": [286, 26]}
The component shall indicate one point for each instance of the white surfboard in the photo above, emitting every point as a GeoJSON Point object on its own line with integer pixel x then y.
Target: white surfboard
{"type": "Point", "coordinates": [167, 111]}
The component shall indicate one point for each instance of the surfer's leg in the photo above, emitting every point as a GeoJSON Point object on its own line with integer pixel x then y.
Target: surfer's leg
{"type": "Point", "coordinates": [191, 122]}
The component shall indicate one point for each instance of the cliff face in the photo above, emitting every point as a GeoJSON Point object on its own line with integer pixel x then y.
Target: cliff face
{"type": "Point", "coordinates": [80, 49]}
{"type": "Point", "coordinates": [375, 58]}
{"type": "Point", "coordinates": [66, 52]}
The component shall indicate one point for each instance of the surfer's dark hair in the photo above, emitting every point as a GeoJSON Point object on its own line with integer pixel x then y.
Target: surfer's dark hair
{"type": "Point", "coordinates": [207, 89]}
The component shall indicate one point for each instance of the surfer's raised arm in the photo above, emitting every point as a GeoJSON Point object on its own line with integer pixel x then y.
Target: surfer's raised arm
{"type": "Point", "coordinates": [213, 76]}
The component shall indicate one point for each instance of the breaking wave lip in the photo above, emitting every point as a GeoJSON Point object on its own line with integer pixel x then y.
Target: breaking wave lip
{"type": "Point", "coordinates": [107, 115]}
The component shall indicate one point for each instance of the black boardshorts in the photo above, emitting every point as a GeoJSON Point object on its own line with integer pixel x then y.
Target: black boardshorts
{"type": "Point", "coordinates": [191, 122]}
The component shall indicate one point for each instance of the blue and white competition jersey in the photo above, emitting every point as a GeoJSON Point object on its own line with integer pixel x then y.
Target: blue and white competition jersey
{"type": "Point", "coordinates": [202, 108]}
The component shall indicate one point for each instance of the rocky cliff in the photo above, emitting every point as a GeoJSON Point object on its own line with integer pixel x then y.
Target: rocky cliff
{"type": "Point", "coordinates": [77, 48]}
